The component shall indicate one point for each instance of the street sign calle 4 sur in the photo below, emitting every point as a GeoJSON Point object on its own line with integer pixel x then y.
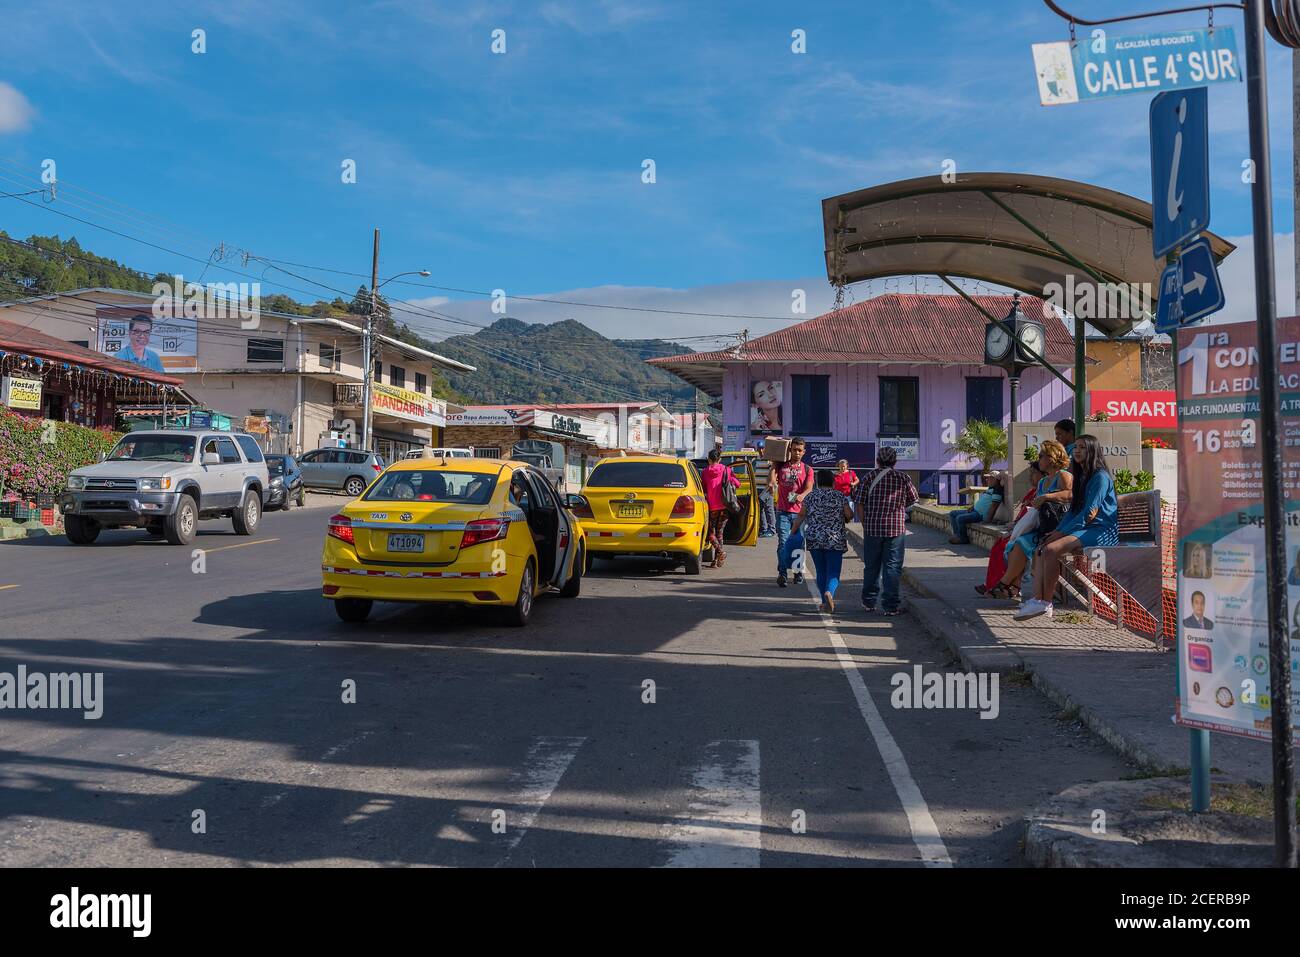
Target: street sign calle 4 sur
{"type": "Point", "coordinates": [1104, 66]}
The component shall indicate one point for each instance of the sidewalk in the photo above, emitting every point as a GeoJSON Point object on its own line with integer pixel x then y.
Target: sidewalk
{"type": "Point", "coordinates": [1122, 687]}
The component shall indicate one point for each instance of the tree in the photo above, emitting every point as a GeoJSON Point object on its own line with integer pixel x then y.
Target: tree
{"type": "Point", "coordinates": [981, 440]}
{"type": "Point", "coordinates": [360, 306]}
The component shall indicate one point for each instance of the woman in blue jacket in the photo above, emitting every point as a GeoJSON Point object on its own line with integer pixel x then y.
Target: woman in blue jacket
{"type": "Point", "coordinates": [1093, 521]}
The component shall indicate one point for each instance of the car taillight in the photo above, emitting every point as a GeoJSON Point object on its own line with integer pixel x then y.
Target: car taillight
{"type": "Point", "coordinates": [341, 528]}
{"type": "Point", "coordinates": [484, 530]}
{"type": "Point", "coordinates": [583, 511]}
{"type": "Point", "coordinates": [376, 466]}
{"type": "Point", "coordinates": [684, 507]}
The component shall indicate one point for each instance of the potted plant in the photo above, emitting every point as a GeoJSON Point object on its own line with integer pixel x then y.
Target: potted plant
{"type": "Point", "coordinates": [983, 441]}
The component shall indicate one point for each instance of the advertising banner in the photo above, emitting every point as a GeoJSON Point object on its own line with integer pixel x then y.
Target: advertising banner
{"type": "Point", "coordinates": [824, 455]}
{"type": "Point", "coordinates": [735, 438]}
{"type": "Point", "coordinates": [507, 417]}
{"type": "Point", "coordinates": [21, 393]}
{"type": "Point", "coordinates": [132, 334]}
{"type": "Point", "coordinates": [908, 448]}
{"type": "Point", "coordinates": [1152, 410]}
{"type": "Point", "coordinates": [1223, 640]}
{"type": "Point", "coordinates": [405, 404]}
{"type": "Point", "coordinates": [765, 396]}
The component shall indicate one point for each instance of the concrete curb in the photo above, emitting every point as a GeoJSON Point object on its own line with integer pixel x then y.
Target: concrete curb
{"type": "Point", "coordinates": [1059, 832]}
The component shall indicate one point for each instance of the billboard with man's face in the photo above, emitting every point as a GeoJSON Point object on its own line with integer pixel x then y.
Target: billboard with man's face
{"type": "Point", "coordinates": [133, 334]}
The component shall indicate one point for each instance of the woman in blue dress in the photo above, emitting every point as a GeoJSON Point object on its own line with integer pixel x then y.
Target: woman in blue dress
{"type": "Point", "coordinates": [1055, 484]}
{"type": "Point", "coordinates": [1093, 521]}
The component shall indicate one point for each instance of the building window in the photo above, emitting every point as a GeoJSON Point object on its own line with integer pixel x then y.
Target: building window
{"type": "Point", "coordinates": [421, 383]}
{"type": "Point", "coordinates": [84, 343]}
{"type": "Point", "coordinates": [397, 376]}
{"type": "Point", "coordinates": [811, 402]}
{"type": "Point", "coordinates": [266, 350]}
{"type": "Point", "coordinates": [329, 356]}
{"type": "Point", "coordinates": [900, 406]}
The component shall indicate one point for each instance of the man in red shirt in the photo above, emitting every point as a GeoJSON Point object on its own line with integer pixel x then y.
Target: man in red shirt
{"type": "Point", "coordinates": [793, 481]}
{"type": "Point", "coordinates": [884, 495]}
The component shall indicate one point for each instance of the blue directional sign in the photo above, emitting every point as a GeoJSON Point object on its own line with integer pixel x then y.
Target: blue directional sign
{"type": "Point", "coordinates": [1189, 289]}
{"type": "Point", "coordinates": [1180, 168]}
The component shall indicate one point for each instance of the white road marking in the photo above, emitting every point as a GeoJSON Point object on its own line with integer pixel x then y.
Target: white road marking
{"type": "Point", "coordinates": [925, 833]}
{"type": "Point", "coordinates": [725, 826]}
{"type": "Point", "coordinates": [547, 760]}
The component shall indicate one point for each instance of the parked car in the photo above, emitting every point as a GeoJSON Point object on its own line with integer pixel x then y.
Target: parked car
{"type": "Point", "coordinates": [287, 486]}
{"type": "Point", "coordinates": [167, 482]}
{"type": "Point", "coordinates": [347, 470]}
{"type": "Point", "coordinates": [468, 531]}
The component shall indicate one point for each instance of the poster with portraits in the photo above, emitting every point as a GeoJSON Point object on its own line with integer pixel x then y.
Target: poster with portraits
{"type": "Point", "coordinates": [1223, 636]}
{"type": "Point", "coordinates": [133, 334]}
{"type": "Point", "coordinates": [765, 407]}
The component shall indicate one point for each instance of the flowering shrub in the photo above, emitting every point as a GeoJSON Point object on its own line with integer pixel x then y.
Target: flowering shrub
{"type": "Point", "coordinates": [1155, 442]}
{"type": "Point", "coordinates": [29, 466]}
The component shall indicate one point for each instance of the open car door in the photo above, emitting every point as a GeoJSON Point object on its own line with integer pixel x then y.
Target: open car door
{"type": "Point", "coordinates": [742, 529]}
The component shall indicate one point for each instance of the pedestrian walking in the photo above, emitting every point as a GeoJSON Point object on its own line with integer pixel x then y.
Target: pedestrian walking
{"type": "Point", "coordinates": [714, 477]}
{"type": "Point", "coordinates": [884, 496]}
{"type": "Point", "coordinates": [1092, 522]}
{"type": "Point", "coordinates": [794, 480]}
{"type": "Point", "coordinates": [821, 522]}
{"type": "Point", "coordinates": [846, 480]}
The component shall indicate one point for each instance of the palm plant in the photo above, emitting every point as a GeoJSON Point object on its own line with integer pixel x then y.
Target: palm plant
{"type": "Point", "coordinates": [983, 441]}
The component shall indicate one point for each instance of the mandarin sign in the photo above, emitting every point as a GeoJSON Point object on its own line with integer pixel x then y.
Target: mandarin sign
{"type": "Point", "coordinates": [405, 404]}
{"type": "Point", "coordinates": [20, 393]}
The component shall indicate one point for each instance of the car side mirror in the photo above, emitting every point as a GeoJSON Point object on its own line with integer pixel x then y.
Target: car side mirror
{"type": "Point", "coordinates": [103, 456]}
{"type": "Point", "coordinates": [211, 458]}
{"type": "Point", "coordinates": [572, 501]}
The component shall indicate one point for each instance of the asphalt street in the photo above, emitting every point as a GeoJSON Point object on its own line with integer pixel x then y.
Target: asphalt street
{"type": "Point", "coordinates": [657, 720]}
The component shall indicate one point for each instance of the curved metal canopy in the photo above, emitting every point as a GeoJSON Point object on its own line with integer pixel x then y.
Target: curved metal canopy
{"type": "Point", "coordinates": [1016, 230]}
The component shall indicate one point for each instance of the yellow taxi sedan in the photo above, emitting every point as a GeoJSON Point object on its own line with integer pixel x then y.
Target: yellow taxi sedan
{"type": "Point", "coordinates": [654, 505]}
{"type": "Point", "coordinates": [468, 531]}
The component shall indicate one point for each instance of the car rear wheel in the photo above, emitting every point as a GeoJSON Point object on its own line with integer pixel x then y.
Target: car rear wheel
{"type": "Point", "coordinates": [522, 609]}
{"type": "Point", "coordinates": [694, 562]}
{"type": "Point", "coordinates": [574, 585]}
{"type": "Point", "coordinates": [180, 525]}
{"type": "Point", "coordinates": [81, 531]}
{"type": "Point", "coordinates": [354, 486]}
{"type": "Point", "coordinates": [249, 515]}
{"type": "Point", "coordinates": [354, 610]}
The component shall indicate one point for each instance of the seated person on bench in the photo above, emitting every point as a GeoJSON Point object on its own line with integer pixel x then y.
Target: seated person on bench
{"type": "Point", "coordinates": [1093, 521]}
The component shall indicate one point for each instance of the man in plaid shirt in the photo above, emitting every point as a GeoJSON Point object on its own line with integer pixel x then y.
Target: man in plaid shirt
{"type": "Point", "coordinates": [883, 497]}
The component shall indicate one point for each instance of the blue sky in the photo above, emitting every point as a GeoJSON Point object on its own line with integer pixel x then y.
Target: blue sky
{"type": "Point", "coordinates": [522, 171]}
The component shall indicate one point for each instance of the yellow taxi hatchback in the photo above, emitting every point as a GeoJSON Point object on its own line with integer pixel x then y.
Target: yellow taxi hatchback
{"type": "Point", "coordinates": [468, 531]}
{"type": "Point", "coordinates": [651, 505]}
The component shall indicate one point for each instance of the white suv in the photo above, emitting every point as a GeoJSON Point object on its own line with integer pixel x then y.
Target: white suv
{"type": "Point", "coordinates": [165, 482]}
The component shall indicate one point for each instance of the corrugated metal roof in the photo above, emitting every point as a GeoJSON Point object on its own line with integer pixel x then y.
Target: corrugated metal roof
{"type": "Point", "coordinates": [904, 328]}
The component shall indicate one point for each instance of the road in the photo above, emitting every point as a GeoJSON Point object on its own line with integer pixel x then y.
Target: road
{"type": "Point", "coordinates": [766, 738]}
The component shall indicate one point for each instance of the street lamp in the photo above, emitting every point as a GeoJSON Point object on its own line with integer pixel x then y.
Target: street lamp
{"type": "Point", "coordinates": [367, 342]}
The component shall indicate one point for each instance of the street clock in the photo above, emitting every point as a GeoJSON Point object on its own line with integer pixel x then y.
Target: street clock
{"type": "Point", "coordinates": [996, 344]}
{"type": "Point", "coordinates": [1012, 345]}
{"type": "Point", "coordinates": [1030, 340]}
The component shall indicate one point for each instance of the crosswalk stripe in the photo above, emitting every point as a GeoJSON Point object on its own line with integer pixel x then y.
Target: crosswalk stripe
{"type": "Point", "coordinates": [725, 825]}
{"type": "Point", "coordinates": [545, 764]}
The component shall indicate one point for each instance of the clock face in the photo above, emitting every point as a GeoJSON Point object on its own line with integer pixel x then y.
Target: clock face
{"type": "Point", "coordinates": [1031, 337]}
{"type": "Point", "coordinates": [997, 342]}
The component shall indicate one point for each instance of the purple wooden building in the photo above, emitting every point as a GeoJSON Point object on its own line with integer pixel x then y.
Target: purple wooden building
{"type": "Point", "coordinates": [906, 370]}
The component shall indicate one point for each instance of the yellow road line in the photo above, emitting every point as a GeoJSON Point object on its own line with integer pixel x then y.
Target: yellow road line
{"type": "Point", "coordinates": [260, 541]}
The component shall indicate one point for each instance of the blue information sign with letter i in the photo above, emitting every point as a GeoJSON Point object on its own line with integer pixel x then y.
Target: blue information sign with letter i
{"type": "Point", "coordinates": [1180, 168]}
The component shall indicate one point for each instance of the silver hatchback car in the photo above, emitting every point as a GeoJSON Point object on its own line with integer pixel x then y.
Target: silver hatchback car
{"type": "Point", "coordinates": [347, 470]}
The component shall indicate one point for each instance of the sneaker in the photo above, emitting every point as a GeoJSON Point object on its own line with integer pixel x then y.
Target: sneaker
{"type": "Point", "coordinates": [798, 578]}
{"type": "Point", "coordinates": [829, 601]}
{"type": "Point", "coordinates": [869, 609]}
{"type": "Point", "coordinates": [890, 613]}
{"type": "Point", "coordinates": [780, 580]}
{"type": "Point", "coordinates": [1032, 609]}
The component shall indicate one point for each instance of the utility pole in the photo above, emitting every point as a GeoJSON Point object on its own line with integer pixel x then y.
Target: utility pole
{"type": "Point", "coordinates": [1295, 171]}
{"type": "Point", "coordinates": [368, 349]}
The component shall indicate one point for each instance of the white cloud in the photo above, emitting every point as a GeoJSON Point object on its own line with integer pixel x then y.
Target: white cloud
{"type": "Point", "coordinates": [15, 111]}
{"type": "Point", "coordinates": [1237, 274]}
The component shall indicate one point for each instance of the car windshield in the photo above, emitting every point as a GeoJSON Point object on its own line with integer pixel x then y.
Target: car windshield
{"type": "Point", "coordinates": [638, 475]}
{"type": "Point", "coordinates": [433, 485]}
{"type": "Point", "coordinates": [153, 448]}
{"type": "Point", "coordinates": [275, 465]}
